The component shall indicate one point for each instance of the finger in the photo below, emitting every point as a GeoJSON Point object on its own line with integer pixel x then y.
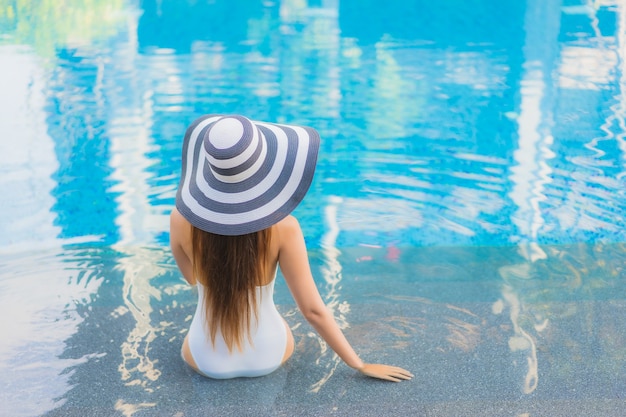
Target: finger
{"type": "Point", "coordinates": [386, 372]}
{"type": "Point", "coordinates": [388, 378]}
{"type": "Point", "coordinates": [403, 373]}
{"type": "Point", "coordinates": [402, 376]}
{"type": "Point", "coordinates": [398, 372]}
{"type": "Point", "coordinates": [401, 370]}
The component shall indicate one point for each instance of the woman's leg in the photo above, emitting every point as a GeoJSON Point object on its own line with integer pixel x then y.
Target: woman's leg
{"type": "Point", "coordinates": [185, 352]}
{"type": "Point", "coordinates": [290, 343]}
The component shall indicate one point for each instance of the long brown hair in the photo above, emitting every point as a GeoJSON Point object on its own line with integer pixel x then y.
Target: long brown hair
{"type": "Point", "coordinates": [230, 268]}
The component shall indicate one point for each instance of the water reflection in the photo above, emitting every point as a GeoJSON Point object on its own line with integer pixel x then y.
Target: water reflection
{"type": "Point", "coordinates": [507, 130]}
{"type": "Point", "coordinates": [544, 303]}
{"type": "Point", "coordinates": [399, 105]}
{"type": "Point", "coordinates": [50, 24]}
{"type": "Point", "coordinates": [332, 275]}
{"type": "Point", "coordinates": [140, 220]}
{"type": "Point", "coordinates": [45, 290]}
{"type": "Point", "coordinates": [175, 25]}
{"type": "Point", "coordinates": [26, 170]}
{"type": "Point", "coordinates": [538, 326]}
{"type": "Point", "coordinates": [137, 366]}
{"type": "Point", "coordinates": [43, 307]}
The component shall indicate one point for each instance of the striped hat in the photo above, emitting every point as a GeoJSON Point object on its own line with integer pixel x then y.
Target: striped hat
{"type": "Point", "coordinates": [240, 176]}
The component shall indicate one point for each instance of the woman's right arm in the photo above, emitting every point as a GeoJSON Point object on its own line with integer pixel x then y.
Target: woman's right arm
{"type": "Point", "coordinates": [180, 239]}
{"type": "Point", "coordinates": [294, 264]}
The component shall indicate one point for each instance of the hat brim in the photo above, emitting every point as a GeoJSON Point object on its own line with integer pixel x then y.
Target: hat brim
{"type": "Point", "coordinates": [278, 184]}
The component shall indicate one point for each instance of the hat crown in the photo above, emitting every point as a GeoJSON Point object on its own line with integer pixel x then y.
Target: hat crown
{"type": "Point", "coordinates": [226, 133]}
{"type": "Point", "coordinates": [230, 142]}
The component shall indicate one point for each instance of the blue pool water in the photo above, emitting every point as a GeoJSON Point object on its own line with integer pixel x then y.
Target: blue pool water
{"type": "Point", "coordinates": [466, 220]}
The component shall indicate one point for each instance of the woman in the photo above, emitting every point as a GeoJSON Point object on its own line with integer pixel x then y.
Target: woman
{"type": "Point", "coordinates": [230, 231]}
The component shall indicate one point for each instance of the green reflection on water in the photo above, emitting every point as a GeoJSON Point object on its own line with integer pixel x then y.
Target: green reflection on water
{"type": "Point", "coordinates": [48, 24]}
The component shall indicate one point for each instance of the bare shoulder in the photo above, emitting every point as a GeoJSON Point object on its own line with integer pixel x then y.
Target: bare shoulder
{"type": "Point", "coordinates": [180, 228]}
{"type": "Point", "coordinates": [288, 229]}
{"type": "Point", "coordinates": [178, 222]}
{"type": "Point", "coordinates": [289, 222]}
{"type": "Point", "coordinates": [176, 218]}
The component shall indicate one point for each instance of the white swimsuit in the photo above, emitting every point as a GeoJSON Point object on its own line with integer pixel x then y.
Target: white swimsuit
{"type": "Point", "coordinates": [263, 356]}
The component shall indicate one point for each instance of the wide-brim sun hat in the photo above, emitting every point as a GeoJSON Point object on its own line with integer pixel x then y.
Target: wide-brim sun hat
{"type": "Point", "coordinates": [240, 176]}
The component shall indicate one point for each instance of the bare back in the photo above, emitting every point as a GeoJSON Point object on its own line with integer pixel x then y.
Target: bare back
{"type": "Point", "coordinates": [181, 244]}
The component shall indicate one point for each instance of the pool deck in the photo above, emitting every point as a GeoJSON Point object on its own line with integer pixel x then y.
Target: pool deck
{"type": "Point", "coordinates": [476, 374]}
{"type": "Point", "coordinates": [496, 337]}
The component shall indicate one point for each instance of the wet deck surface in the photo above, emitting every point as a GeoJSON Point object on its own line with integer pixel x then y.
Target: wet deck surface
{"type": "Point", "coordinates": [496, 337]}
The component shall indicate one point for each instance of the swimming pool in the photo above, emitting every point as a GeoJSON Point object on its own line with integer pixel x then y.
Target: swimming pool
{"type": "Point", "coordinates": [465, 222]}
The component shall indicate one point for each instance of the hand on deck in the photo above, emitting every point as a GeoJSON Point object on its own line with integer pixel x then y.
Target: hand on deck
{"type": "Point", "coordinates": [386, 372]}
